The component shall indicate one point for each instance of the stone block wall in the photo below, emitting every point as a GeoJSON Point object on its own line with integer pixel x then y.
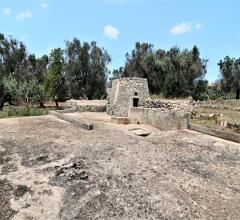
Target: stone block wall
{"type": "Point", "coordinates": [231, 136]}
{"type": "Point", "coordinates": [122, 93]}
{"type": "Point", "coordinates": [161, 119]}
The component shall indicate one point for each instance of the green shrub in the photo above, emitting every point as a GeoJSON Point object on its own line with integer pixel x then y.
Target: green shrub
{"type": "Point", "coordinates": [25, 111]}
{"type": "Point", "coordinates": [213, 93]}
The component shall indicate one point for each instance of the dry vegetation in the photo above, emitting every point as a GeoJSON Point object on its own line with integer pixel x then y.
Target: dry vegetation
{"type": "Point", "coordinates": [230, 111]}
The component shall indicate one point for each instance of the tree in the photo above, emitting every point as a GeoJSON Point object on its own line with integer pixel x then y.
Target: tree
{"type": "Point", "coordinates": [185, 73]}
{"type": "Point", "coordinates": [33, 87]}
{"type": "Point", "coordinates": [11, 88]}
{"type": "Point", "coordinates": [230, 75]}
{"type": "Point", "coordinates": [116, 74]}
{"type": "Point", "coordinates": [174, 73]}
{"type": "Point", "coordinates": [13, 65]}
{"type": "Point", "coordinates": [79, 71]}
{"type": "Point", "coordinates": [97, 78]}
{"type": "Point", "coordinates": [77, 67]}
{"type": "Point", "coordinates": [86, 69]}
{"type": "Point", "coordinates": [54, 82]}
{"type": "Point", "coordinates": [143, 63]}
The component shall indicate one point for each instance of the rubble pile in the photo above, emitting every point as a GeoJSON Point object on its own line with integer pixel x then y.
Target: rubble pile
{"type": "Point", "coordinates": [72, 171]}
{"type": "Point", "coordinates": [86, 105]}
{"type": "Point", "coordinates": [176, 105]}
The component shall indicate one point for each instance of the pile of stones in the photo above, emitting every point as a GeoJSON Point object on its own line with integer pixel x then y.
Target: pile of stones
{"type": "Point", "coordinates": [177, 105]}
{"type": "Point", "coordinates": [206, 116]}
{"type": "Point", "coordinates": [87, 106]}
{"type": "Point", "coordinates": [71, 105]}
{"type": "Point", "coordinates": [218, 104]}
{"type": "Point", "coordinates": [110, 108]}
{"type": "Point", "coordinates": [70, 173]}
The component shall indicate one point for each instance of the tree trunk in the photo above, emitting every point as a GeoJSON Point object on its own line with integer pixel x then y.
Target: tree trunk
{"type": "Point", "coordinates": [41, 104]}
{"type": "Point", "coordinates": [56, 102]}
{"type": "Point", "coordinates": [2, 95]}
{"type": "Point", "coordinates": [8, 99]}
{"type": "Point", "coordinates": [238, 93]}
{"type": "Point", "coordinates": [1, 103]}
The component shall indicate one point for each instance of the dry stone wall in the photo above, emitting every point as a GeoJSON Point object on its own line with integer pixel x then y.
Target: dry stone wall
{"type": "Point", "coordinates": [86, 105]}
{"type": "Point", "coordinates": [175, 105]}
{"type": "Point", "coordinates": [219, 104]}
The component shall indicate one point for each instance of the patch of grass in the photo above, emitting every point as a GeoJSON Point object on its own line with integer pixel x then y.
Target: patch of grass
{"type": "Point", "coordinates": [229, 115]}
{"type": "Point", "coordinates": [3, 114]}
{"type": "Point", "coordinates": [206, 123]}
{"type": "Point", "coordinates": [22, 111]}
{"type": "Point", "coordinates": [211, 124]}
{"type": "Point", "coordinates": [159, 96]}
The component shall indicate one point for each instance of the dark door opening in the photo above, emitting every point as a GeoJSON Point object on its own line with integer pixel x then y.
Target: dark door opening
{"type": "Point", "coordinates": [135, 102]}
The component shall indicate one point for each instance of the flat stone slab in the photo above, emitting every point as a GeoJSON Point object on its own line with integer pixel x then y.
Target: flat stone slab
{"type": "Point", "coordinates": [77, 122]}
{"type": "Point", "coordinates": [140, 132]}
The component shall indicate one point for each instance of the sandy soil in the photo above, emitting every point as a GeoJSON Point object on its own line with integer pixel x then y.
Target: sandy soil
{"type": "Point", "coordinates": [50, 169]}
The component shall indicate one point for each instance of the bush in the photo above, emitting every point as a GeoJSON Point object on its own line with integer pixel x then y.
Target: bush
{"type": "Point", "coordinates": [25, 111]}
{"type": "Point", "coordinates": [213, 93]}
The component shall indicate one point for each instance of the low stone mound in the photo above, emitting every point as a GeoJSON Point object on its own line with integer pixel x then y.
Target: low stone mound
{"type": "Point", "coordinates": [86, 105]}
{"type": "Point", "coordinates": [175, 105]}
{"type": "Point", "coordinates": [232, 104]}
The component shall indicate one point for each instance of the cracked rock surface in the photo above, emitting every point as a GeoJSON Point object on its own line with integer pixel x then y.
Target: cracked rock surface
{"type": "Point", "coordinates": [49, 169]}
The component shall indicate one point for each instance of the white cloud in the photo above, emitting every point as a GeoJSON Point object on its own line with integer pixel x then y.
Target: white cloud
{"type": "Point", "coordinates": [44, 5]}
{"type": "Point", "coordinates": [181, 28]}
{"type": "Point", "coordinates": [111, 32]}
{"type": "Point", "coordinates": [198, 26]}
{"type": "Point", "coordinates": [7, 11]}
{"type": "Point", "coordinates": [24, 15]}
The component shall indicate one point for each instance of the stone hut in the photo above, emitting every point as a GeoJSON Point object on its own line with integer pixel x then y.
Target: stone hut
{"type": "Point", "coordinates": [126, 93]}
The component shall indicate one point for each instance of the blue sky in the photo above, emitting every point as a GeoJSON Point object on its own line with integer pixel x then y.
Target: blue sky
{"type": "Point", "coordinates": [212, 25]}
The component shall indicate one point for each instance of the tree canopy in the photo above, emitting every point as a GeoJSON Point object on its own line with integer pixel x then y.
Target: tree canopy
{"type": "Point", "coordinates": [86, 68]}
{"type": "Point", "coordinates": [230, 75]}
{"type": "Point", "coordinates": [80, 70]}
{"type": "Point", "coordinates": [173, 73]}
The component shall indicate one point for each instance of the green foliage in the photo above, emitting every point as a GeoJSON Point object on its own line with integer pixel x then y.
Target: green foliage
{"type": "Point", "coordinates": [54, 82]}
{"type": "Point", "coordinates": [3, 114]}
{"type": "Point", "coordinates": [21, 76]}
{"type": "Point", "coordinates": [86, 69]}
{"type": "Point", "coordinates": [79, 71]}
{"type": "Point", "coordinates": [24, 111]}
{"type": "Point", "coordinates": [24, 90]}
{"type": "Point", "coordinates": [230, 75]}
{"type": "Point", "coordinates": [11, 86]}
{"type": "Point", "coordinates": [34, 90]}
{"type": "Point", "coordinates": [214, 93]}
{"type": "Point", "coordinates": [21, 111]}
{"type": "Point", "coordinates": [173, 73]}
{"type": "Point", "coordinates": [200, 91]}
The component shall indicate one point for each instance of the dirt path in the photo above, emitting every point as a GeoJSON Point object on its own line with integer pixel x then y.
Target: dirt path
{"type": "Point", "coordinates": [50, 169]}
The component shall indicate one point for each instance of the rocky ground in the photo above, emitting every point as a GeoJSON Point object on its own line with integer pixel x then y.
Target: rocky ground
{"type": "Point", "coordinates": [50, 169]}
